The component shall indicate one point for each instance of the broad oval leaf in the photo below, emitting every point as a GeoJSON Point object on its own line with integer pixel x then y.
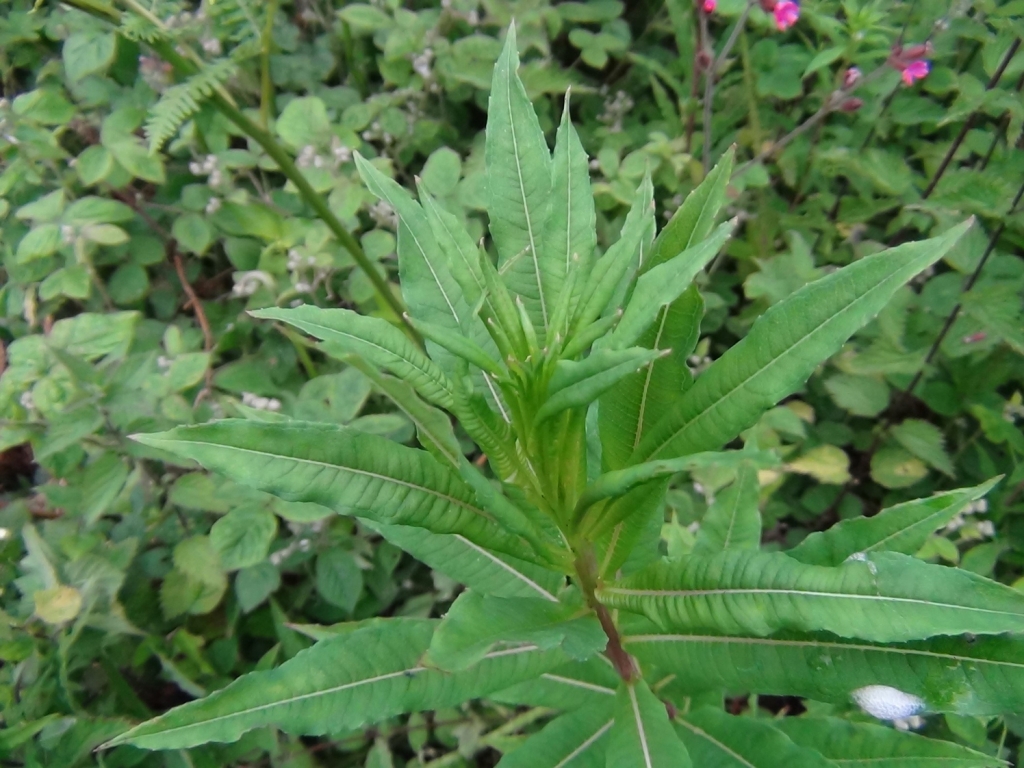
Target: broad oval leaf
{"type": "Point", "coordinates": [979, 676]}
{"type": "Point", "coordinates": [784, 346]}
{"type": "Point", "coordinates": [347, 470]}
{"type": "Point", "coordinates": [341, 683]}
{"type": "Point", "coordinates": [884, 597]}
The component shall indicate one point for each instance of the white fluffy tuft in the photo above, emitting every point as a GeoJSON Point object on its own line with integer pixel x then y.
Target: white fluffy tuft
{"type": "Point", "coordinates": [887, 703]}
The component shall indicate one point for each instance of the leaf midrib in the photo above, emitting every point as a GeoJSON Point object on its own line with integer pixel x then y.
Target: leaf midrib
{"type": "Point", "coordinates": [798, 343]}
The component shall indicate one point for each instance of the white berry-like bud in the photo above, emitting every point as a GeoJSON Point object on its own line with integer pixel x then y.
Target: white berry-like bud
{"type": "Point", "coordinates": [887, 703]}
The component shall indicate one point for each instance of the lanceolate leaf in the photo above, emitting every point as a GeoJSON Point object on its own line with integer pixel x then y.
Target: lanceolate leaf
{"type": "Point", "coordinates": [570, 230]}
{"type": "Point", "coordinates": [573, 740]}
{"type": "Point", "coordinates": [884, 597]}
{"type": "Point", "coordinates": [784, 346]}
{"type": "Point", "coordinates": [977, 676]}
{"type": "Point", "coordinates": [619, 260]}
{"type": "Point", "coordinates": [591, 683]}
{"type": "Point", "coordinates": [372, 338]}
{"type": "Point", "coordinates": [642, 736]}
{"type": "Point", "coordinates": [733, 521]}
{"type": "Point", "coordinates": [519, 184]}
{"type": "Point", "coordinates": [458, 558]}
{"type": "Point", "coordinates": [476, 623]}
{"type": "Point", "coordinates": [865, 745]}
{"type": "Point", "coordinates": [662, 285]}
{"type": "Point", "coordinates": [339, 684]}
{"type": "Point", "coordinates": [576, 384]}
{"type": "Point", "coordinates": [634, 405]}
{"type": "Point", "coordinates": [902, 528]}
{"type": "Point", "coordinates": [713, 737]}
{"type": "Point", "coordinates": [349, 471]}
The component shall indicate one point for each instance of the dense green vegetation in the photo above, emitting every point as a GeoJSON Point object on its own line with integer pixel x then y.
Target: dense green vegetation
{"type": "Point", "coordinates": [202, 217]}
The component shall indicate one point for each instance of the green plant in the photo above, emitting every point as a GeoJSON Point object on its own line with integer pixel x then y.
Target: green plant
{"type": "Point", "coordinates": [585, 413]}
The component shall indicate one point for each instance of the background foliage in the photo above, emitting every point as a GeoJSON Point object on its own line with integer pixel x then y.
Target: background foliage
{"type": "Point", "coordinates": [138, 224]}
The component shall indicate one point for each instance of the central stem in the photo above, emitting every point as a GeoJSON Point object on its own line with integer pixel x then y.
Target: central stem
{"type": "Point", "coordinates": [586, 572]}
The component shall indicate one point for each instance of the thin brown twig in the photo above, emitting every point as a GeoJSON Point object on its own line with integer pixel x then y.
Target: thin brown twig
{"type": "Point", "coordinates": [197, 309]}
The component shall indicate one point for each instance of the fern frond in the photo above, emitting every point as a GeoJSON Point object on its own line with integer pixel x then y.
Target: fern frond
{"type": "Point", "coordinates": [179, 102]}
{"type": "Point", "coordinates": [139, 29]}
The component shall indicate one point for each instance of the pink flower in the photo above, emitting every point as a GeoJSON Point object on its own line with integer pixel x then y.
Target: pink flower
{"type": "Point", "coordinates": [786, 13]}
{"type": "Point", "coordinates": [915, 70]}
{"type": "Point", "coordinates": [850, 78]}
{"type": "Point", "coordinates": [709, 6]}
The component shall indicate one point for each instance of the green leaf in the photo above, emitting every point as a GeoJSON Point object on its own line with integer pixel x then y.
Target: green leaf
{"type": "Point", "coordinates": [784, 346]}
{"type": "Point", "coordinates": [304, 122]}
{"type": "Point", "coordinates": [92, 336]}
{"type": "Point", "coordinates": [825, 463]}
{"type": "Point", "coordinates": [338, 578]}
{"type": "Point", "coordinates": [577, 384]}
{"type": "Point", "coordinates": [894, 467]}
{"type": "Point", "coordinates": [578, 685]}
{"type": "Point", "coordinates": [193, 233]}
{"type": "Point", "coordinates": [925, 441]}
{"type": "Point", "coordinates": [442, 170]}
{"type": "Point", "coordinates": [621, 481]}
{"type": "Point", "coordinates": [459, 345]}
{"type": "Point", "coordinates": [243, 536]}
{"type": "Point", "coordinates": [879, 596]}
{"type": "Point", "coordinates": [349, 471]}
{"type": "Point", "coordinates": [713, 737]}
{"type": "Point", "coordinates": [573, 740]}
{"type": "Point", "coordinates": [642, 736]}
{"type": "Point", "coordinates": [733, 521]}
{"type": "Point", "coordinates": [476, 623]}
{"type": "Point", "coordinates": [902, 528]}
{"type": "Point", "coordinates": [860, 395]}
{"type": "Point", "coordinates": [372, 338]}
{"type": "Point", "coordinates": [519, 186]}
{"type": "Point", "coordinates": [458, 558]}
{"type": "Point", "coordinates": [86, 53]}
{"type": "Point", "coordinates": [433, 427]}
{"type": "Point", "coordinates": [635, 404]}
{"type": "Point", "coordinates": [971, 676]}
{"type": "Point", "coordinates": [877, 746]}
{"type": "Point", "coordinates": [662, 285]}
{"type": "Point", "coordinates": [341, 684]}
{"type": "Point", "coordinates": [39, 242]}
{"type": "Point", "coordinates": [622, 259]}
{"type": "Point", "coordinates": [570, 230]}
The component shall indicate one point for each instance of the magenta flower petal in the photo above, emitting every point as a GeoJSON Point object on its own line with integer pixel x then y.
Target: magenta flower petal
{"type": "Point", "coordinates": [915, 70]}
{"type": "Point", "coordinates": [786, 13]}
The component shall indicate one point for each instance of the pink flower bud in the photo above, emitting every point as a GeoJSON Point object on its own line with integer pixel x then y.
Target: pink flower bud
{"type": "Point", "coordinates": [850, 78]}
{"type": "Point", "coordinates": [786, 13]}
{"type": "Point", "coordinates": [915, 70]}
{"type": "Point", "coordinates": [768, 6]}
{"type": "Point", "coordinates": [709, 6]}
{"type": "Point", "coordinates": [851, 105]}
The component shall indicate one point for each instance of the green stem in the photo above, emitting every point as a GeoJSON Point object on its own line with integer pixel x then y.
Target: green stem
{"type": "Point", "coordinates": [222, 102]}
{"type": "Point", "coordinates": [587, 577]}
{"type": "Point", "coordinates": [266, 84]}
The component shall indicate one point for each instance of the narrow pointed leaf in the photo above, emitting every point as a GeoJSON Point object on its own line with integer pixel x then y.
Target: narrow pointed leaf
{"type": "Point", "coordinates": [478, 568]}
{"type": "Point", "coordinates": [663, 284]}
{"type": "Point", "coordinates": [573, 740]}
{"type": "Point", "coordinates": [642, 736]}
{"type": "Point", "coordinates": [576, 384]}
{"type": "Point", "coordinates": [631, 408]}
{"type": "Point", "coordinates": [619, 261]}
{"type": "Point", "coordinates": [969, 676]}
{"type": "Point", "coordinates": [784, 346]}
{"type": "Point", "coordinates": [433, 427]}
{"type": "Point", "coordinates": [476, 623]}
{"type": "Point", "coordinates": [341, 683]}
{"type": "Point", "coordinates": [866, 745]}
{"type": "Point", "coordinates": [591, 683]}
{"type": "Point", "coordinates": [519, 184]}
{"type": "Point", "coordinates": [570, 230]}
{"type": "Point", "coordinates": [428, 285]}
{"type": "Point", "coordinates": [713, 737]}
{"type": "Point", "coordinates": [349, 471]}
{"type": "Point", "coordinates": [621, 481]}
{"type": "Point", "coordinates": [453, 240]}
{"type": "Point", "coordinates": [902, 528]}
{"type": "Point", "coordinates": [459, 345]}
{"type": "Point", "coordinates": [372, 338]}
{"type": "Point", "coordinates": [694, 219]}
{"type": "Point", "coordinates": [733, 521]}
{"type": "Point", "coordinates": [884, 597]}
